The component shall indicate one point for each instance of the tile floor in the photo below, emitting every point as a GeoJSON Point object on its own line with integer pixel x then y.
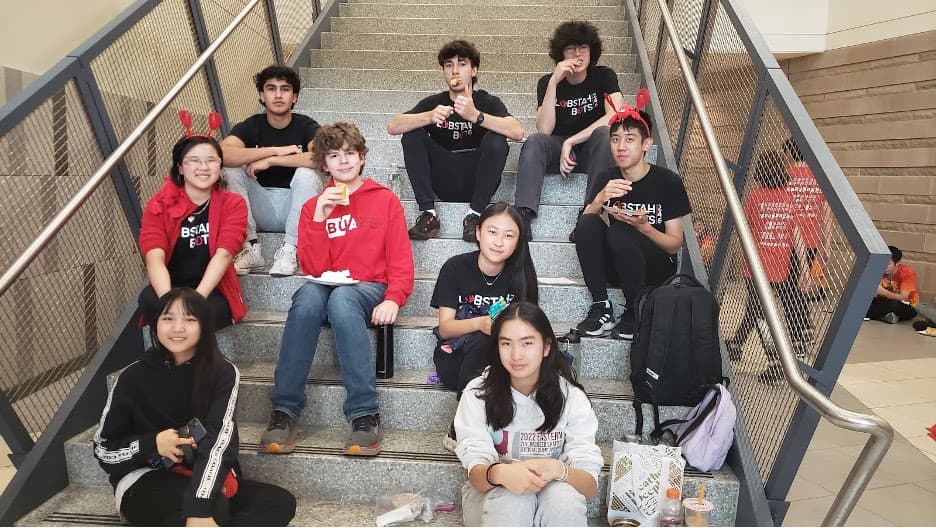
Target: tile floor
{"type": "Point", "coordinates": [891, 371]}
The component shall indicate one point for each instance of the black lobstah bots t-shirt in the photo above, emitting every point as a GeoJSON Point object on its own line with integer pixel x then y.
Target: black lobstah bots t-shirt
{"type": "Point", "coordinates": [661, 193]}
{"type": "Point", "coordinates": [460, 282]}
{"type": "Point", "coordinates": [579, 105]}
{"type": "Point", "coordinates": [190, 256]}
{"type": "Point", "coordinates": [255, 131]}
{"type": "Point", "coordinates": [455, 133]}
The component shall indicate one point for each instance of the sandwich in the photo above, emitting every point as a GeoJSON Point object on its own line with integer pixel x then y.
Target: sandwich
{"type": "Point", "coordinates": [345, 199]}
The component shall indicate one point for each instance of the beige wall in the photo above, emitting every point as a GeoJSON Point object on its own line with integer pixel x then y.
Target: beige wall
{"type": "Point", "coordinates": [854, 22]}
{"type": "Point", "coordinates": [875, 105]}
{"type": "Point", "coordinates": [38, 33]}
{"type": "Point", "coordinates": [792, 26]}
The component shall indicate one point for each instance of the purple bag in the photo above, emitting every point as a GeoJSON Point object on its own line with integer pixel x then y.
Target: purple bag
{"type": "Point", "coordinates": [708, 432]}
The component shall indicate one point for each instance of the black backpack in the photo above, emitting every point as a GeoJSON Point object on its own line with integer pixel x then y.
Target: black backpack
{"type": "Point", "coordinates": [675, 356]}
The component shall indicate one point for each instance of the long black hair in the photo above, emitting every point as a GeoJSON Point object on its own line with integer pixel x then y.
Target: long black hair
{"type": "Point", "coordinates": [495, 389]}
{"type": "Point", "coordinates": [520, 264]}
{"type": "Point", "coordinates": [207, 360]}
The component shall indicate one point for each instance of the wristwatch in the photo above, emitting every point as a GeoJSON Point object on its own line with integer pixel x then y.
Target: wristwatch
{"type": "Point", "coordinates": [480, 119]}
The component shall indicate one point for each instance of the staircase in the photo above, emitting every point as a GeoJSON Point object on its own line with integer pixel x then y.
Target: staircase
{"type": "Point", "coordinates": [392, 47]}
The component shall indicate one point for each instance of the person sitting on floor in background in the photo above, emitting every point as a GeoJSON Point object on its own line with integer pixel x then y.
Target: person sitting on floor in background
{"type": "Point", "coordinates": [268, 162]}
{"type": "Point", "coordinates": [469, 284]}
{"type": "Point", "coordinates": [897, 294]}
{"type": "Point", "coordinates": [190, 232]}
{"type": "Point", "coordinates": [157, 481]}
{"type": "Point", "coordinates": [646, 205]}
{"type": "Point", "coordinates": [455, 143]}
{"type": "Point", "coordinates": [526, 431]}
{"type": "Point", "coordinates": [356, 225]}
{"type": "Point", "coordinates": [571, 117]}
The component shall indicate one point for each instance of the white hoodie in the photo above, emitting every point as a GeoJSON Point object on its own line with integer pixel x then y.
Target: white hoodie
{"type": "Point", "coordinates": [571, 441]}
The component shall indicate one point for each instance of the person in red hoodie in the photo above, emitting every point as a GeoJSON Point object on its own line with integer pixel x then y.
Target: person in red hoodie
{"type": "Point", "coordinates": [191, 231]}
{"type": "Point", "coordinates": [355, 225]}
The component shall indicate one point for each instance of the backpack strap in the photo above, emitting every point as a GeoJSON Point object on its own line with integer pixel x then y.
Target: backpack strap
{"type": "Point", "coordinates": [692, 281]}
{"type": "Point", "coordinates": [658, 349]}
{"type": "Point", "coordinates": [638, 417]}
{"type": "Point", "coordinates": [697, 421]}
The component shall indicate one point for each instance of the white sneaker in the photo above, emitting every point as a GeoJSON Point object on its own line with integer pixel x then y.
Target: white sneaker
{"type": "Point", "coordinates": [249, 259]}
{"type": "Point", "coordinates": [284, 261]}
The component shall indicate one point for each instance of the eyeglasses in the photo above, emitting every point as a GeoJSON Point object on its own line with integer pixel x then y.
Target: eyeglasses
{"type": "Point", "coordinates": [571, 48]}
{"type": "Point", "coordinates": [195, 162]}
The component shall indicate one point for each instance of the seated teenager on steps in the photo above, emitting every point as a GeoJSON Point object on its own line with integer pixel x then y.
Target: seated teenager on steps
{"type": "Point", "coordinates": [526, 431]}
{"type": "Point", "coordinates": [356, 225]}
{"type": "Point", "coordinates": [455, 142]}
{"type": "Point", "coordinates": [183, 376]}
{"type": "Point", "coordinates": [647, 204]}
{"type": "Point", "coordinates": [268, 162]}
{"type": "Point", "coordinates": [571, 116]}
{"type": "Point", "coordinates": [190, 232]}
{"type": "Point", "coordinates": [468, 285]}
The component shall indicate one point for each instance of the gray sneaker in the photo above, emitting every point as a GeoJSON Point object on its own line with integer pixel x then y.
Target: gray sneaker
{"type": "Point", "coordinates": [890, 318]}
{"type": "Point", "coordinates": [365, 437]}
{"type": "Point", "coordinates": [280, 436]}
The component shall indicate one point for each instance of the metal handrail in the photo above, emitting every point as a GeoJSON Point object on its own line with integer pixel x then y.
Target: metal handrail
{"type": "Point", "coordinates": [64, 215]}
{"type": "Point", "coordinates": [881, 432]}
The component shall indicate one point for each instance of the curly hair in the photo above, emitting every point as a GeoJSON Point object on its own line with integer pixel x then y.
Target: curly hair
{"type": "Point", "coordinates": [463, 49]}
{"type": "Point", "coordinates": [572, 33]}
{"type": "Point", "coordinates": [276, 71]}
{"type": "Point", "coordinates": [334, 137]}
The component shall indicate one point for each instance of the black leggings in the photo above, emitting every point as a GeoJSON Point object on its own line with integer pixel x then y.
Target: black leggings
{"type": "Point", "coordinates": [472, 176]}
{"type": "Point", "coordinates": [619, 255]}
{"type": "Point", "coordinates": [156, 500]}
{"type": "Point", "coordinates": [881, 306]}
{"type": "Point", "coordinates": [220, 311]}
{"type": "Point", "coordinates": [455, 370]}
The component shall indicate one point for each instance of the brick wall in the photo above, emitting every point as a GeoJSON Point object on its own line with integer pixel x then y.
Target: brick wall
{"type": "Point", "coordinates": [875, 105]}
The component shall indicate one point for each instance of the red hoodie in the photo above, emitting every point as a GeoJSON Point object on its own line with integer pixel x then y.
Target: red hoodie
{"type": "Point", "coordinates": [227, 221]}
{"type": "Point", "coordinates": [367, 237]}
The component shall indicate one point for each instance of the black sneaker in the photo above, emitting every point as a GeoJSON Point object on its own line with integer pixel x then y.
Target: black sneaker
{"type": "Point", "coordinates": [625, 327]}
{"type": "Point", "coordinates": [528, 216]}
{"type": "Point", "coordinates": [448, 441]}
{"type": "Point", "coordinates": [469, 227]}
{"type": "Point", "coordinates": [773, 372]}
{"type": "Point", "coordinates": [599, 320]}
{"type": "Point", "coordinates": [280, 435]}
{"type": "Point", "coordinates": [427, 226]}
{"type": "Point", "coordinates": [365, 437]}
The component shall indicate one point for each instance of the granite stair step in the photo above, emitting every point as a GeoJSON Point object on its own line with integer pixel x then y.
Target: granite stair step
{"type": "Point", "coordinates": [468, 10]}
{"type": "Point", "coordinates": [516, 62]}
{"type": "Point", "coordinates": [317, 470]}
{"type": "Point", "coordinates": [485, 43]}
{"type": "Point", "coordinates": [419, 79]}
{"type": "Point", "coordinates": [399, 101]}
{"type": "Point", "coordinates": [373, 124]}
{"type": "Point", "coordinates": [540, 26]}
{"type": "Point", "coordinates": [552, 259]}
{"type": "Point", "coordinates": [257, 338]}
{"type": "Point", "coordinates": [563, 302]}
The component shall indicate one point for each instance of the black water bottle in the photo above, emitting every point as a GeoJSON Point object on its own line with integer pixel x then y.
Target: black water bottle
{"type": "Point", "coordinates": [385, 351]}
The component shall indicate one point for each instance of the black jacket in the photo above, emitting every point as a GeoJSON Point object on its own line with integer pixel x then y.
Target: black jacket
{"type": "Point", "coordinates": [152, 395]}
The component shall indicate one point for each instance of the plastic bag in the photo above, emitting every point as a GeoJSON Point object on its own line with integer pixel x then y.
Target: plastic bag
{"type": "Point", "coordinates": [401, 506]}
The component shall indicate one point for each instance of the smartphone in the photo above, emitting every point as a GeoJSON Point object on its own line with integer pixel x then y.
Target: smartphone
{"type": "Point", "coordinates": [497, 308]}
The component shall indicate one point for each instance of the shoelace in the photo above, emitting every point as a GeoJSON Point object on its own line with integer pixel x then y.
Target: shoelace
{"type": "Point", "coordinates": [363, 423]}
{"type": "Point", "coordinates": [597, 310]}
{"type": "Point", "coordinates": [280, 421]}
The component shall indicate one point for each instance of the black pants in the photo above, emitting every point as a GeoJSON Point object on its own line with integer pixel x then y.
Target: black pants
{"type": "Point", "coordinates": [792, 303]}
{"type": "Point", "coordinates": [469, 176]}
{"type": "Point", "coordinates": [220, 311]}
{"type": "Point", "coordinates": [156, 500]}
{"type": "Point", "coordinates": [455, 370]}
{"type": "Point", "coordinates": [619, 255]}
{"type": "Point", "coordinates": [880, 306]}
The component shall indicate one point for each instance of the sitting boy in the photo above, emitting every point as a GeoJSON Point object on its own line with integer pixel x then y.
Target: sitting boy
{"type": "Point", "coordinates": [897, 294]}
{"type": "Point", "coordinates": [357, 225]}
{"type": "Point", "coordinates": [646, 208]}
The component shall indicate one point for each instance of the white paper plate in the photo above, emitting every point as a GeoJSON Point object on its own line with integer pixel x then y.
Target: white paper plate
{"type": "Point", "coordinates": [319, 280]}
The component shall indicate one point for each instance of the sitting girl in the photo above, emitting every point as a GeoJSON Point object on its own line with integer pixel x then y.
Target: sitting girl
{"type": "Point", "coordinates": [190, 232]}
{"type": "Point", "coordinates": [137, 443]}
{"type": "Point", "coordinates": [526, 431]}
{"type": "Point", "coordinates": [468, 285]}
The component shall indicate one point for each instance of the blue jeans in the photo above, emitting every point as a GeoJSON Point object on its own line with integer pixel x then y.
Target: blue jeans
{"type": "Point", "coordinates": [272, 209]}
{"type": "Point", "coordinates": [348, 310]}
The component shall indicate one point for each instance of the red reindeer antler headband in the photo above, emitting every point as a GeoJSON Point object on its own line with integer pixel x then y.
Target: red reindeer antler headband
{"type": "Point", "coordinates": [620, 114]}
{"type": "Point", "coordinates": [214, 123]}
